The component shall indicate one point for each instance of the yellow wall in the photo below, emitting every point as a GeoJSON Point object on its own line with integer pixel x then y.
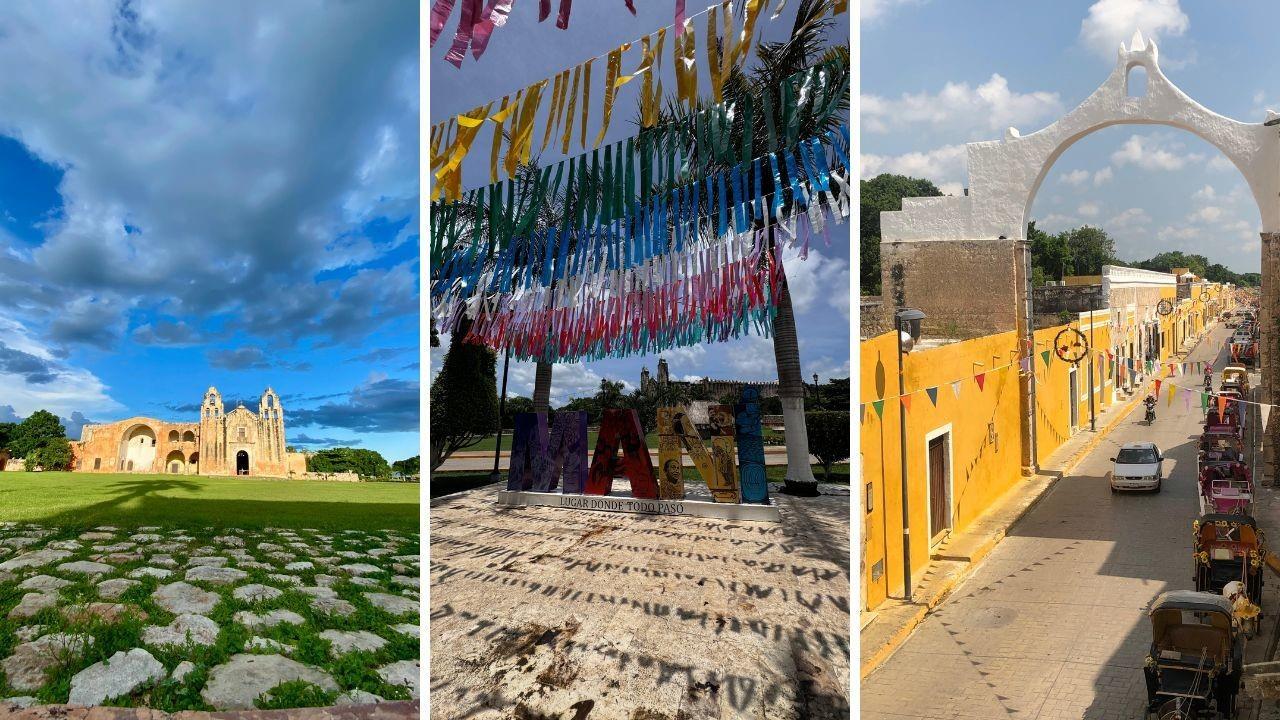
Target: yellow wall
{"type": "Point", "coordinates": [985, 443]}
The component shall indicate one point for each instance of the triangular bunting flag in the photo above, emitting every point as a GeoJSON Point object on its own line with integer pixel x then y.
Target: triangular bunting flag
{"type": "Point", "coordinates": [1266, 413]}
{"type": "Point", "coordinates": [955, 387]}
{"type": "Point", "coordinates": [1222, 405]}
{"type": "Point", "coordinates": [982, 380]}
{"type": "Point", "coordinates": [1204, 401]}
{"type": "Point", "coordinates": [933, 395]}
{"type": "Point", "coordinates": [879, 407]}
{"type": "Point", "coordinates": [1173, 390]}
{"type": "Point", "coordinates": [1157, 393]}
{"type": "Point", "coordinates": [906, 402]}
{"type": "Point", "coordinates": [1045, 356]}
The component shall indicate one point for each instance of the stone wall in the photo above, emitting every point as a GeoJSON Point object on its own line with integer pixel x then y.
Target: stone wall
{"type": "Point", "coordinates": [142, 445]}
{"type": "Point", "coordinates": [871, 316]}
{"type": "Point", "coordinates": [964, 287]}
{"type": "Point", "coordinates": [1053, 299]}
{"type": "Point", "coordinates": [14, 465]}
{"type": "Point", "coordinates": [331, 477]}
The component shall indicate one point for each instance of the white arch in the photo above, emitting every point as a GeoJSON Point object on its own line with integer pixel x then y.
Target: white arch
{"type": "Point", "coordinates": [1004, 175]}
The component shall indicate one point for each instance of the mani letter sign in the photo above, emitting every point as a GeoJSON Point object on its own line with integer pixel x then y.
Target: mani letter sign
{"type": "Point", "coordinates": [539, 457]}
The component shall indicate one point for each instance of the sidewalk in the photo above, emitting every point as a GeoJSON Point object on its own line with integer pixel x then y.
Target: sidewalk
{"type": "Point", "coordinates": [884, 629]}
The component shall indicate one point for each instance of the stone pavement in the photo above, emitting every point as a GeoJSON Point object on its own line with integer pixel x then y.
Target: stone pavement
{"type": "Point", "coordinates": [206, 619]}
{"type": "Point", "coordinates": [475, 460]}
{"type": "Point", "coordinates": [1052, 623]}
{"type": "Point", "coordinates": [548, 612]}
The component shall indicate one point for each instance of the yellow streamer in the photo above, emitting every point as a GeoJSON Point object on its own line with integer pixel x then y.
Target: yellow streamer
{"type": "Point", "coordinates": [557, 106]}
{"type": "Point", "coordinates": [504, 111]}
{"type": "Point", "coordinates": [683, 54]}
{"type": "Point", "coordinates": [646, 62]}
{"type": "Point", "coordinates": [569, 116]}
{"type": "Point", "coordinates": [522, 137]}
{"type": "Point", "coordinates": [449, 176]}
{"type": "Point", "coordinates": [610, 87]}
{"type": "Point", "coordinates": [586, 100]}
{"type": "Point", "coordinates": [651, 97]}
{"type": "Point", "coordinates": [743, 47]}
{"type": "Point", "coordinates": [713, 57]}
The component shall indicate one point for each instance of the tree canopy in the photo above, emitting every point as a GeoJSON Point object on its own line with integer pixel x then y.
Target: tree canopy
{"type": "Point", "coordinates": [363, 462]}
{"type": "Point", "coordinates": [34, 432]}
{"type": "Point", "coordinates": [882, 193]}
{"type": "Point", "coordinates": [464, 398]}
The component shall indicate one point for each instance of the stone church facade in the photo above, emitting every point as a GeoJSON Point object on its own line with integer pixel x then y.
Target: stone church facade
{"type": "Point", "coordinates": [239, 442]}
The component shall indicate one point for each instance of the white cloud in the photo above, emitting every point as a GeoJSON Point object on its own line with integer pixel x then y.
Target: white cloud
{"type": "Point", "coordinates": [960, 107]}
{"type": "Point", "coordinates": [1103, 176]}
{"type": "Point", "coordinates": [753, 359]}
{"type": "Point", "coordinates": [1089, 210]}
{"type": "Point", "coordinates": [876, 9]}
{"type": "Point", "coordinates": [34, 378]}
{"type": "Point", "coordinates": [1075, 178]}
{"type": "Point", "coordinates": [1111, 22]}
{"type": "Point", "coordinates": [568, 381]}
{"type": "Point", "coordinates": [819, 279]}
{"type": "Point", "coordinates": [1220, 163]}
{"type": "Point", "coordinates": [946, 164]}
{"type": "Point", "coordinates": [1151, 154]}
{"type": "Point", "coordinates": [1205, 193]}
{"type": "Point", "coordinates": [1056, 222]}
{"type": "Point", "coordinates": [1208, 213]}
{"type": "Point", "coordinates": [1129, 219]}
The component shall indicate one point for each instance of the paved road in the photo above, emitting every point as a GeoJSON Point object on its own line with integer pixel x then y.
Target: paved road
{"type": "Point", "coordinates": [1053, 625]}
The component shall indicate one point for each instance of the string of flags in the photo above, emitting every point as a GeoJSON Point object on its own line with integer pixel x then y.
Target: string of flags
{"type": "Point", "coordinates": [957, 387]}
{"type": "Point", "coordinates": [671, 273]}
{"type": "Point", "coordinates": [663, 152]}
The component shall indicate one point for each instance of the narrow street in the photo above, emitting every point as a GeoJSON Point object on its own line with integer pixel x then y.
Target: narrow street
{"type": "Point", "coordinates": [1053, 623]}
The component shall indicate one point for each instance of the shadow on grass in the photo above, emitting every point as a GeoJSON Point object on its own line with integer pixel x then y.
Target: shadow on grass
{"type": "Point", "coordinates": [141, 502]}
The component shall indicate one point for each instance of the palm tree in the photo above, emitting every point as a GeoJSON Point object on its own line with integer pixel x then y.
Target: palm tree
{"type": "Point", "coordinates": [779, 61]}
{"type": "Point", "coordinates": [542, 386]}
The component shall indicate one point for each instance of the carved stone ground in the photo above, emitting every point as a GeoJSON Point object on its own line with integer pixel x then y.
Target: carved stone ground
{"type": "Point", "coordinates": [207, 619]}
{"type": "Point", "coordinates": [547, 612]}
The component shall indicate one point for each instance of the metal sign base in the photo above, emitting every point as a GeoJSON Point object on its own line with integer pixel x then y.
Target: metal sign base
{"type": "Point", "coordinates": [619, 503]}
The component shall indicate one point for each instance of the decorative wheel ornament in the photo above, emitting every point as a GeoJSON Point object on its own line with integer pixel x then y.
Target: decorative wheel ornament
{"type": "Point", "coordinates": [1204, 296]}
{"type": "Point", "coordinates": [1164, 307]}
{"type": "Point", "coordinates": [1071, 345]}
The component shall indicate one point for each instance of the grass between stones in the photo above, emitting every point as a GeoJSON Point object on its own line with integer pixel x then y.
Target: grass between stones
{"type": "Point", "coordinates": [354, 671]}
{"type": "Point", "coordinates": [84, 499]}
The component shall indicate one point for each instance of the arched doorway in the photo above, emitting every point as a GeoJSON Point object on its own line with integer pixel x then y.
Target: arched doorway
{"type": "Point", "coordinates": [242, 463]}
{"type": "Point", "coordinates": [138, 449]}
{"type": "Point", "coordinates": [175, 463]}
{"type": "Point", "coordinates": [936, 245]}
{"type": "Point", "coordinates": [194, 462]}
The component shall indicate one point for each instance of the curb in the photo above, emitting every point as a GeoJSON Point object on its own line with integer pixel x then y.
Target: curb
{"type": "Point", "coordinates": [945, 589]}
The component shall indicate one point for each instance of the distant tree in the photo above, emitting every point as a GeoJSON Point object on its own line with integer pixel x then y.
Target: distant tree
{"type": "Point", "coordinates": [587, 405]}
{"type": "Point", "coordinates": [515, 405]}
{"type": "Point", "coordinates": [880, 194]}
{"type": "Point", "coordinates": [828, 437]}
{"type": "Point", "coordinates": [53, 454]}
{"type": "Point", "coordinates": [836, 393]}
{"type": "Point", "coordinates": [464, 397]}
{"type": "Point", "coordinates": [366, 463]}
{"type": "Point", "coordinates": [771, 405]}
{"type": "Point", "coordinates": [611, 395]}
{"type": "Point", "coordinates": [6, 434]}
{"type": "Point", "coordinates": [1089, 248]}
{"type": "Point", "coordinates": [410, 467]}
{"type": "Point", "coordinates": [32, 433]}
{"type": "Point", "coordinates": [1049, 254]}
{"type": "Point", "coordinates": [646, 401]}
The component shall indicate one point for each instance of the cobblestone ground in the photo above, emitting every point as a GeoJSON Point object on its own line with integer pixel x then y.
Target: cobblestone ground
{"type": "Point", "coordinates": [1053, 624]}
{"type": "Point", "coordinates": [547, 612]}
{"type": "Point", "coordinates": [207, 619]}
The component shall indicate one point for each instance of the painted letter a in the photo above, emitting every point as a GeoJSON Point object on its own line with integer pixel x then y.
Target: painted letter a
{"type": "Point", "coordinates": [622, 429]}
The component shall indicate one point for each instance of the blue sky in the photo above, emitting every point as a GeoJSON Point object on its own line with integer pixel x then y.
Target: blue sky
{"type": "Point", "coordinates": [192, 198]}
{"type": "Point", "coordinates": [936, 75]}
{"type": "Point", "coordinates": [524, 52]}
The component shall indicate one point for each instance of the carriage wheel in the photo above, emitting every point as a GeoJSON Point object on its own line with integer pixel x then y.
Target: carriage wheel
{"type": "Point", "coordinates": [1171, 711]}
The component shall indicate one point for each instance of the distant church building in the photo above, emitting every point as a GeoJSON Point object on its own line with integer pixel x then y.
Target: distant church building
{"type": "Point", "coordinates": [236, 443]}
{"type": "Point", "coordinates": [706, 387]}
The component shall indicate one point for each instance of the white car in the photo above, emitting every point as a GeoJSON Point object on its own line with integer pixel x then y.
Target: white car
{"type": "Point", "coordinates": [1138, 466]}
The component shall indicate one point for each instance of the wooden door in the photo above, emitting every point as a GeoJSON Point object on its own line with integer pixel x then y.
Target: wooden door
{"type": "Point", "coordinates": [939, 486]}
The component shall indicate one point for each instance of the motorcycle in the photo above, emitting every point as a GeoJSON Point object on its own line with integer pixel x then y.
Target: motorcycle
{"type": "Point", "coordinates": [1151, 413]}
{"type": "Point", "coordinates": [1208, 382]}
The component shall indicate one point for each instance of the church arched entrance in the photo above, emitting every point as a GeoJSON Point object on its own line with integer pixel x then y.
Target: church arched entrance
{"type": "Point", "coordinates": [175, 463]}
{"type": "Point", "coordinates": [138, 449]}
{"type": "Point", "coordinates": [242, 463]}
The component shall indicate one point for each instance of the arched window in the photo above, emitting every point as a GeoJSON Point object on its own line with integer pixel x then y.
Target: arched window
{"type": "Point", "coordinates": [1135, 83]}
{"type": "Point", "coordinates": [173, 436]}
{"type": "Point", "coordinates": [241, 434]}
{"type": "Point", "coordinates": [188, 436]}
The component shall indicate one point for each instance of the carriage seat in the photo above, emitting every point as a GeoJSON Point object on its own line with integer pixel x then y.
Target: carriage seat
{"type": "Point", "coordinates": [1193, 641]}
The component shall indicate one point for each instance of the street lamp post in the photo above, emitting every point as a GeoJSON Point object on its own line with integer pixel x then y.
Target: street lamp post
{"type": "Point", "coordinates": [495, 476]}
{"type": "Point", "coordinates": [817, 393]}
{"type": "Point", "coordinates": [908, 327]}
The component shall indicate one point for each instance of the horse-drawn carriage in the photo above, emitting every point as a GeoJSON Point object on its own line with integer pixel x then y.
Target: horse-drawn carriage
{"type": "Point", "coordinates": [1226, 488]}
{"type": "Point", "coordinates": [1197, 652]}
{"type": "Point", "coordinates": [1229, 548]}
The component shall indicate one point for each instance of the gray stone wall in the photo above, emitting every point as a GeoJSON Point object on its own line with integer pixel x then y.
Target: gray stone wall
{"type": "Point", "coordinates": [965, 288]}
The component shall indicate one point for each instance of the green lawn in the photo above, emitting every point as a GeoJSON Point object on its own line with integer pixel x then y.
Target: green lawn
{"type": "Point", "coordinates": [88, 499]}
{"type": "Point", "coordinates": [447, 483]}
